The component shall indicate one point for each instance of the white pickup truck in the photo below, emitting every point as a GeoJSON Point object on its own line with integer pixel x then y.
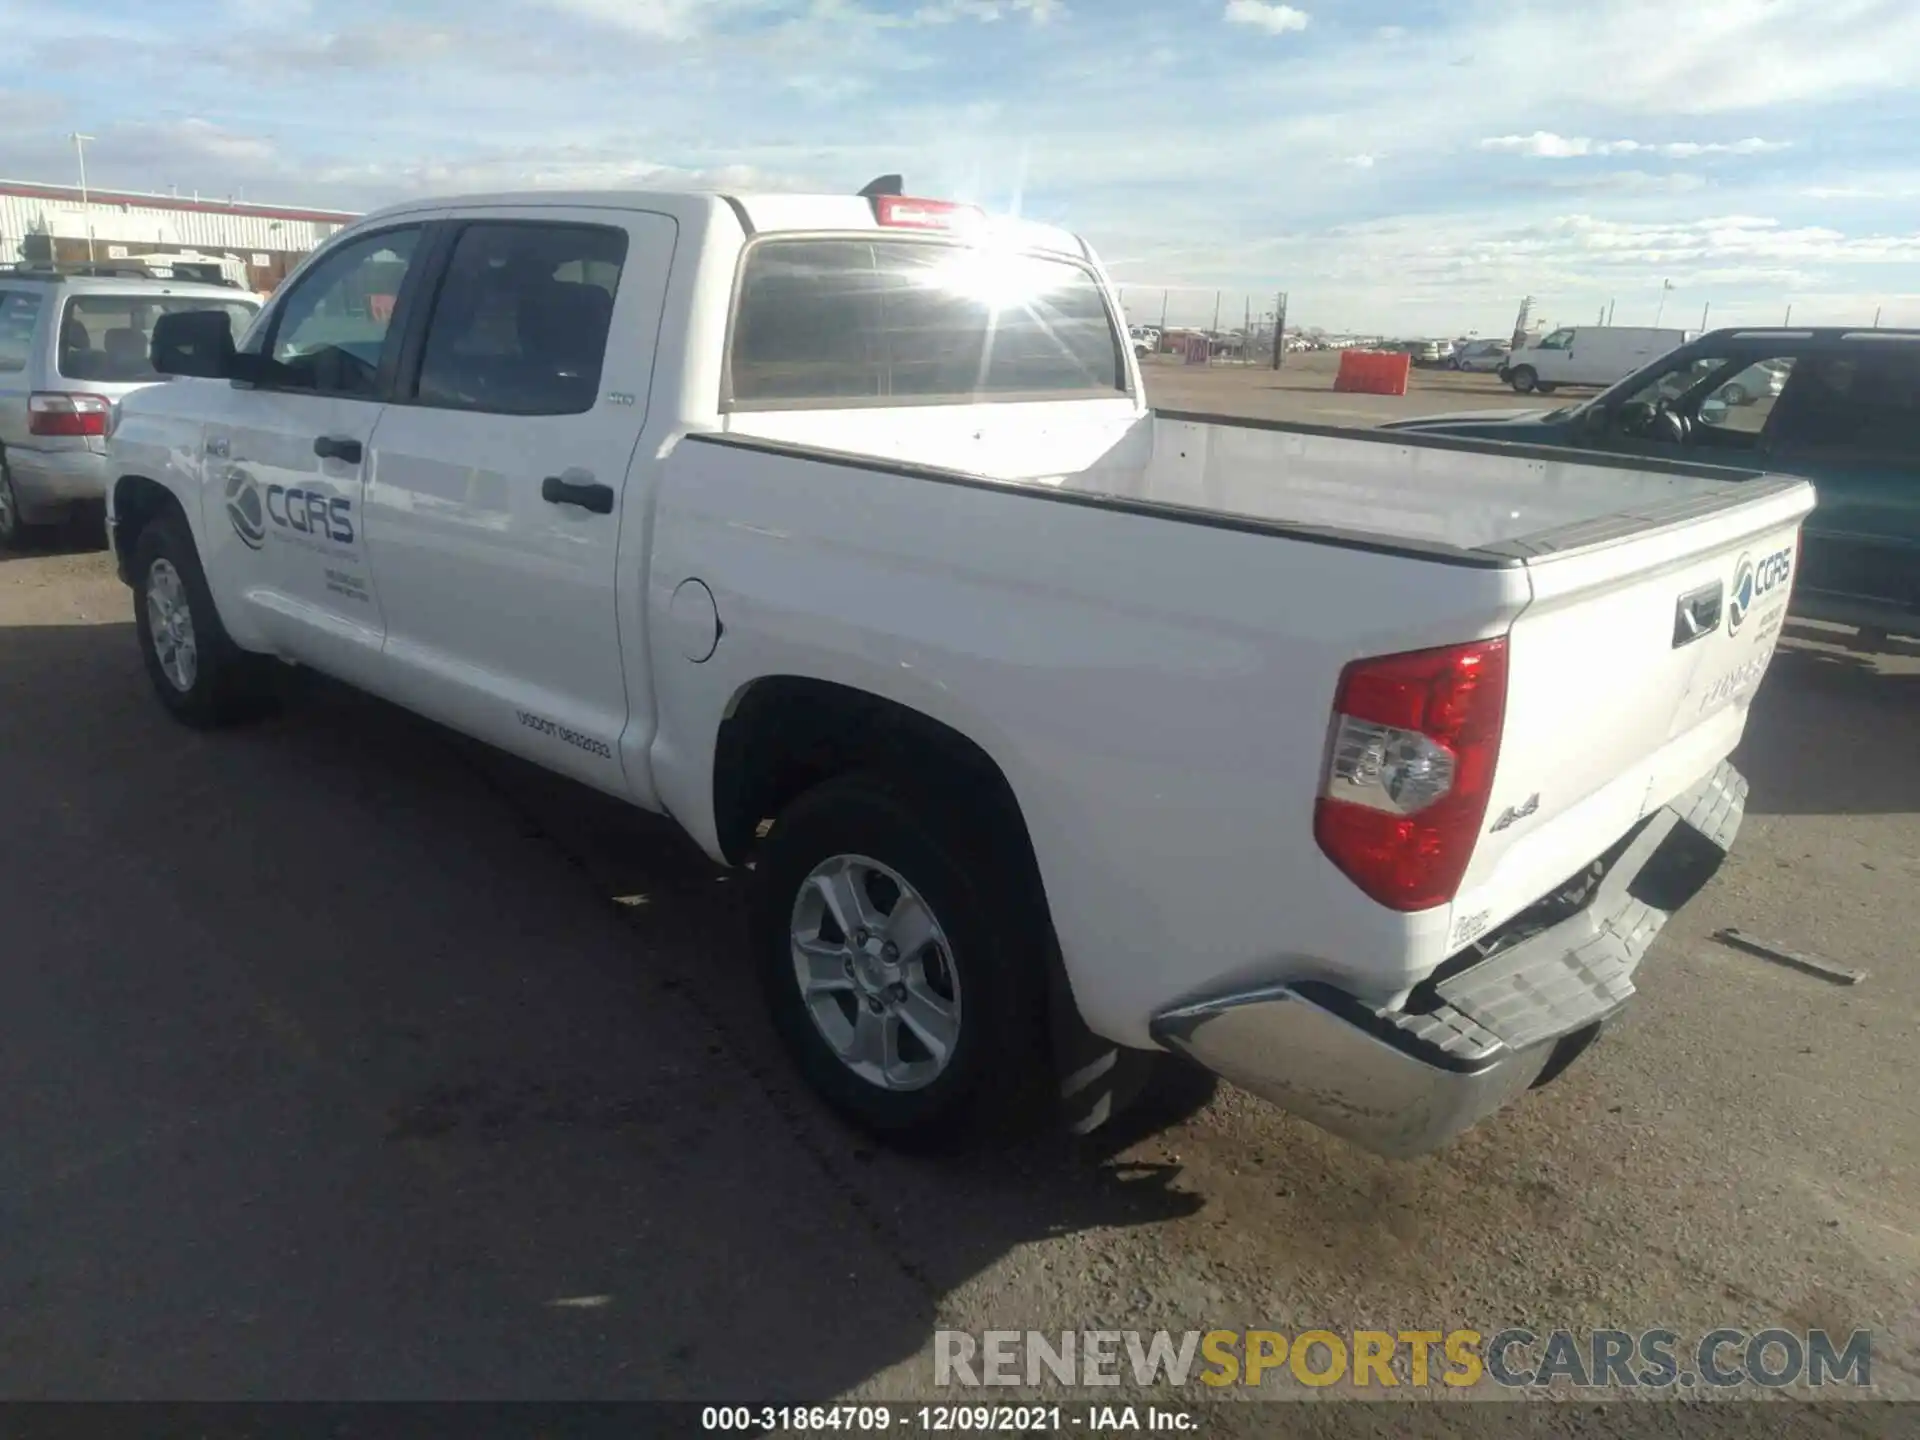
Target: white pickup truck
{"type": "Point", "coordinates": [1360, 767]}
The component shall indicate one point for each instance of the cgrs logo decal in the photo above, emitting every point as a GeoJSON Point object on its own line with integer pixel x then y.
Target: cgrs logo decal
{"type": "Point", "coordinates": [306, 512]}
{"type": "Point", "coordinates": [1754, 582]}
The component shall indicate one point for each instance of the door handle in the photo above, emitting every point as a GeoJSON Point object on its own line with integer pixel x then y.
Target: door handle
{"type": "Point", "coordinates": [587, 495]}
{"type": "Point", "coordinates": [332, 447]}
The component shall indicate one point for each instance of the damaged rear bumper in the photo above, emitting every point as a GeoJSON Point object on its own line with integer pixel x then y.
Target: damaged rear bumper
{"type": "Point", "coordinates": [1404, 1082]}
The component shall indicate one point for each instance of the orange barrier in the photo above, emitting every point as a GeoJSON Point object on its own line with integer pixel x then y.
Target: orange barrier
{"type": "Point", "coordinates": [1368, 372]}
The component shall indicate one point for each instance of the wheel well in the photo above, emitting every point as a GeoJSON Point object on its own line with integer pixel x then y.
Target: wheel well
{"type": "Point", "coordinates": [136, 501]}
{"type": "Point", "coordinates": [786, 734]}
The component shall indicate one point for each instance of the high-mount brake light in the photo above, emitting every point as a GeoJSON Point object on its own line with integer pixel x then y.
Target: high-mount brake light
{"type": "Point", "coordinates": [1415, 741]}
{"type": "Point", "coordinates": [905, 212]}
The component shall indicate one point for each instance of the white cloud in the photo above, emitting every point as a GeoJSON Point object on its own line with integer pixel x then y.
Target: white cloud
{"type": "Point", "coordinates": [1265, 15]}
{"type": "Point", "coordinates": [658, 19]}
{"type": "Point", "coordinates": [1544, 145]}
{"type": "Point", "coordinates": [1638, 182]}
{"type": "Point", "coordinates": [1362, 161]}
{"type": "Point", "coordinates": [944, 12]}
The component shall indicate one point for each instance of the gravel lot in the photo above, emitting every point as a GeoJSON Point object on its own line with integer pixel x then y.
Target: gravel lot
{"type": "Point", "coordinates": [347, 1060]}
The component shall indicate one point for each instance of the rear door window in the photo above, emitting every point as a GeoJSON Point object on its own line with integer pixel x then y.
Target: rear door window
{"type": "Point", "coordinates": [521, 323]}
{"type": "Point", "coordinates": [109, 338]}
{"type": "Point", "coordinates": [19, 317]}
{"type": "Point", "coordinates": [1863, 403]}
{"type": "Point", "coordinates": [858, 321]}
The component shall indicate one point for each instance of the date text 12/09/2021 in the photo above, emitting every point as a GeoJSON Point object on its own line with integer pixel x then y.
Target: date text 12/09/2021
{"type": "Point", "coordinates": [945, 1419]}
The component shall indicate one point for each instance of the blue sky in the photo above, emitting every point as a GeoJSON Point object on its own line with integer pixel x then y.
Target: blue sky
{"type": "Point", "coordinates": [1414, 167]}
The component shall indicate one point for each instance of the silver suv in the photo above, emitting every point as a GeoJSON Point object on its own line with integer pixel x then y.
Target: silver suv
{"type": "Point", "coordinates": [70, 346]}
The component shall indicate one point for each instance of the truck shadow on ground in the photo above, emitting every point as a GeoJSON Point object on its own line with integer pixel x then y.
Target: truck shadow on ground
{"type": "Point", "coordinates": [353, 1060]}
{"type": "Point", "coordinates": [1826, 735]}
{"type": "Point", "coordinates": [77, 537]}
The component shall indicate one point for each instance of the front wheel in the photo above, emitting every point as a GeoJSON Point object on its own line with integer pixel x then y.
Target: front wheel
{"type": "Point", "coordinates": [1735, 395]}
{"type": "Point", "coordinates": [1524, 380]}
{"type": "Point", "coordinates": [200, 675]}
{"type": "Point", "coordinates": [903, 958]}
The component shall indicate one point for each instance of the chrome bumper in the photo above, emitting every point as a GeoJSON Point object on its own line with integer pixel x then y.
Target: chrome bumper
{"type": "Point", "coordinates": [1404, 1082]}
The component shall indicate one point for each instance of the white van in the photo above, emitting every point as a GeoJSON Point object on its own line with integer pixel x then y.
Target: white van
{"type": "Point", "coordinates": [1587, 355]}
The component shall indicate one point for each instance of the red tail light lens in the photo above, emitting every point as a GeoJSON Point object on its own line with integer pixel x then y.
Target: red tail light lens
{"type": "Point", "coordinates": [1415, 741]}
{"type": "Point", "coordinates": [53, 412]}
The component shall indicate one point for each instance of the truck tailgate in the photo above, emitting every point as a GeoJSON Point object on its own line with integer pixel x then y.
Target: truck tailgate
{"type": "Point", "coordinates": [1630, 675]}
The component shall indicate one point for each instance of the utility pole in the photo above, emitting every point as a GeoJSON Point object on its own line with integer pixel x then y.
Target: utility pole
{"type": "Point", "coordinates": [1876, 317]}
{"type": "Point", "coordinates": [1705, 310]}
{"type": "Point", "coordinates": [1610, 305]}
{"type": "Point", "coordinates": [86, 213]}
{"type": "Point", "coordinates": [1216, 317]}
{"type": "Point", "coordinates": [1163, 312]}
{"type": "Point", "coordinates": [1789, 319]}
{"type": "Point", "coordinates": [1279, 328]}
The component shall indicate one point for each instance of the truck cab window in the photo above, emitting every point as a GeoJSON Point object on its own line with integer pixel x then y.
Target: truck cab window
{"type": "Point", "coordinates": [521, 323]}
{"type": "Point", "coordinates": [914, 322]}
{"type": "Point", "coordinates": [1862, 403]}
{"type": "Point", "coordinates": [333, 325]}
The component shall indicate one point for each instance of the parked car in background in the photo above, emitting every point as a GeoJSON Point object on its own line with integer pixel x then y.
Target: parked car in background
{"type": "Point", "coordinates": [1586, 355]}
{"type": "Point", "coordinates": [1145, 338]}
{"type": "Point", "coordinates": [1479, 356]}
{"type": "Point", "coordinates": [71, 347]}
{"type": "Point", "coordinates": [1764, 381]}
{"type": "Point", "coordinates": [1053, 727]}
{"type": "Point", "coordinates": [1429, 354]}
{"type": "Point", "coordinates": [1839, 407]}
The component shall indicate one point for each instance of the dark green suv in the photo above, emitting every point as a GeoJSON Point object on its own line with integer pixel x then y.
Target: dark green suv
{"type": "Point", "coordinates": [1840, 407]}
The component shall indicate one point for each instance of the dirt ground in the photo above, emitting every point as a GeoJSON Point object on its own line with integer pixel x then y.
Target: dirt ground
{"type": "Point", "coordinates": [344, 1059]}
{"type": "Point", "coordinates": [1302, 390]}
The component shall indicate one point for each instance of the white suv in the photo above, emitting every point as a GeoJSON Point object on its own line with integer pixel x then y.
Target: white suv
{"type": "Point", "coordinates": [70, 347]}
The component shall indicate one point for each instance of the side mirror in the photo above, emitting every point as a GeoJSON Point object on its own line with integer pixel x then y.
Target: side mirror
{"type": "Point", "coordinates": [194, 342]}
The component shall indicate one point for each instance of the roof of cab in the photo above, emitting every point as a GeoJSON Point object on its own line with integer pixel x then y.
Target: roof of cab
{"type": "Point", "coordinates": [129, 285]}
{"type": "Point", "coordinates": [759, 212]}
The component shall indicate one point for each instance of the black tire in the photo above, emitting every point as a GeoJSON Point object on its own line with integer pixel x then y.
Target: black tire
{"type": "Point", "coordinates": [15, 533]}
{"type": "Point", "coordinates": [995, 1081]}
{"type": "Point", "coordinates": [1524, 380]}
{"type": "Point", "coordinates": [1545, 389]}
{"type": "Point", "coordinates": [228, 685]}
{"type": "Point", "coordinates": [1736, 395]}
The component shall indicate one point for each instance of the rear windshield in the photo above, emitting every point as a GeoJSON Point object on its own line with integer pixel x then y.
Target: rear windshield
{"type": "Point", "coordinates": [108, 337]}
{"type": "Point", "coordinates": [858, 321]}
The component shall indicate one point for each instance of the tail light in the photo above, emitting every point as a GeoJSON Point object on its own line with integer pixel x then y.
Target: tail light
{"type": "Point", "coordinates": [55, 412]}
{"type": "Point", "coordinates": [1415, 739]}
{"type": "Point", "coordinates": [903, 212]}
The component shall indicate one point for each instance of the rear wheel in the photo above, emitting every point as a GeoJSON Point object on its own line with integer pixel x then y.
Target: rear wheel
{"type": "Point", "coordinates": [903, 959]}
{"type": "Point", "coordinates": [15, 533]}
{"type": "Point", "coordinates": [200, 675]}
{"type": "Point", "coordinates": [1735, 394]}
{"type": "Point", "coordinates": [1524, 380]}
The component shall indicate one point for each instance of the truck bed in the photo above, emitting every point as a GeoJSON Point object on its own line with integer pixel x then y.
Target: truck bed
{"type": "Point", "coordinates": [1035, 594]}
{"type": "Point", "coordinates": [1443, 498]}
